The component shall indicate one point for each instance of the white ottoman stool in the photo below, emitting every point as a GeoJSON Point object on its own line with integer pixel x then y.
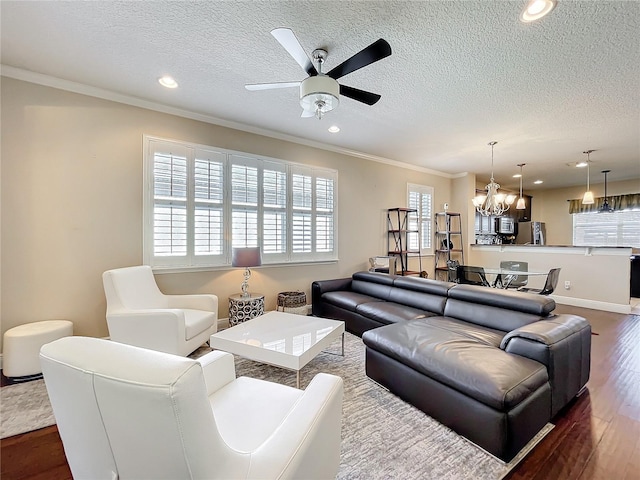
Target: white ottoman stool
{"type": "Point", "coordinates": [21, 347]}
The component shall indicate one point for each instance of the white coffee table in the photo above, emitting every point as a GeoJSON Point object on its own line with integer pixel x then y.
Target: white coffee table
{"type": "Point", "coordinates": [281, 339]}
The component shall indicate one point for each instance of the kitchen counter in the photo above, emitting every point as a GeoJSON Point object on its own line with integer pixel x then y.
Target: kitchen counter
{"type": "Point", "coordinates": [547, 246]}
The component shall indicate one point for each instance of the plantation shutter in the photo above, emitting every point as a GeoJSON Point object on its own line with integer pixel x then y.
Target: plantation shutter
{"type": "Point", "coordinates": [274, 203]}
{"type": "Point", "coordinates": [244, 202]}
{"type": "Point", "coordinates": [209, 203]}
{"type": "Point", "coordinates": [420, 197]}
{"type": "Point", "coordinates": [200, 202]}
{"type": "Point", "coordinates": [170, 179]}
{"type": "Point", "coordinates": [301, 234]}
{"type": "Point", "coordinates": [324, 215]}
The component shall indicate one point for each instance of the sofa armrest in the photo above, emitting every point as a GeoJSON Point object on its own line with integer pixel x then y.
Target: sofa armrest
{"type": "Point", "coordinates": [154, 328]}
{"type": "Point", "coordinates": [312, 429]}
{"type": "Point", "coordinates": [218, 368]}
{"type": "Point", "coordinates": [206, 302]}
{"type": "Point", "coordinates": [322, 286]}
{"type": "Point", "coordinates": [561, 343]}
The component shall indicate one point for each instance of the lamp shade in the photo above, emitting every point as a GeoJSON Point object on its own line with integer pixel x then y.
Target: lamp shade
{"type": "Point", "coordinates": [587, 199]}
{"type": "Point", "coordinates": [246, 257]}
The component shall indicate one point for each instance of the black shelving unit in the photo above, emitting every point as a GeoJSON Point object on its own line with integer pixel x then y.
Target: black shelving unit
{"type": "Point", "coordinates": [449, 247]}
{"type": "Point", "coordinates": [399, 236]}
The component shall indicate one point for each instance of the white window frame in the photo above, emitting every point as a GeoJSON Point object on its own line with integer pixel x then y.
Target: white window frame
{"type": "Point", "coordinates": [425, 225]}
{"type": "Point", "coordinates": [322, 249]}
{"type": "Point", "coordinates": [625, 222]}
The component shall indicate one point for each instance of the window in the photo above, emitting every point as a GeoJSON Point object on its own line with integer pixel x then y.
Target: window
{"type": "Point", "coordinates": [200, 202]}
{"type": "Point", "coordinates": [420, 197]}
{"type": "Point", "coordinates": [612, 229]}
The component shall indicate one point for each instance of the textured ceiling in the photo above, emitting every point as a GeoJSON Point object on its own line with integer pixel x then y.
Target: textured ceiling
{"type": "Point", "coordinates": [462, 73]}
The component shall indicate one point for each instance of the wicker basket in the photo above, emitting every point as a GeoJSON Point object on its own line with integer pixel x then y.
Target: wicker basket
{"type": "Point", "coordinates": [292, 302]}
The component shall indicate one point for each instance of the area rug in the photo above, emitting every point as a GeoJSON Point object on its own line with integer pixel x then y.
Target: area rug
{"type": "Point", "coordinates": [24, 407]}
{"type": "Point", "coordinates": [383, 437]}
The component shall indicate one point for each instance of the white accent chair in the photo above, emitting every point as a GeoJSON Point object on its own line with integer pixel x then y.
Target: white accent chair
{"type": "Point", "coordinates": [139, 314]}
{"type": "Point", "coordinates": [129, 413]}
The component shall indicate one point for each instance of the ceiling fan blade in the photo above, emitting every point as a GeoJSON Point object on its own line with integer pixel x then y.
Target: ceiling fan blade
{"type": "Point", "coordinates": [289, 41]}
{"type": "Point", "coordinates": [307, 114]}
{"type": "Point", "coordinates": [270, 86]}
{"type": "Point", "coordinates": [359, 95]}
{"type": "Point", "coordinates": [376, 51]}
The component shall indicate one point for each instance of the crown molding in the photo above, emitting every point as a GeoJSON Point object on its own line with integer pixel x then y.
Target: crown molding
{"type": "Point", "coordinates": [74, 87]}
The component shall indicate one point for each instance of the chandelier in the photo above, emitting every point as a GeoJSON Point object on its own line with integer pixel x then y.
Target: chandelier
{"type": "Point", "coordinates": [493, 202]}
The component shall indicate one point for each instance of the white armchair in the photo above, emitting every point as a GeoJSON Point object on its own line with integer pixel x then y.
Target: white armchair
{"type": "Point", "coordinates": [139, 314]}
{"type": "Point", "coordinates": [130, 413]}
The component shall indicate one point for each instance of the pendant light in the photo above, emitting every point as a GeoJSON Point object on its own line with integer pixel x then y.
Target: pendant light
{"type": "Point", "coordinates": [492, 203]}
{"type": "Point", "coordinates": [605, 205]}
{"type": "Point", "coordinates": [587, 199]}
{"type": "Point", "coordinates": [520, 205]}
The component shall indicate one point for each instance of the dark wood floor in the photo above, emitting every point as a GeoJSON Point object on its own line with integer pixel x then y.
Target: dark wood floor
{"type": "Point", "coordinates": [596, 437]}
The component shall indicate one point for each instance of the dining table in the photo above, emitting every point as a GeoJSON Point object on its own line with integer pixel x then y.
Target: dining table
{"type": "Point", "coordinates": [504, 276]}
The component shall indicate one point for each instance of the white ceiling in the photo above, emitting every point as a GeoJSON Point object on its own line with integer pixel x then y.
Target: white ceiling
{"type": "Point", "coordinates": [462, 73]}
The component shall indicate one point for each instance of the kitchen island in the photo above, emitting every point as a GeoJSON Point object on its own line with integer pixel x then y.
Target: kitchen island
{"type": "Point", "coordinates": [598, 277]}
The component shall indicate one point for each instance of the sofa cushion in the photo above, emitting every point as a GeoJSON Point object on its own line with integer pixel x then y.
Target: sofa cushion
{"type": "Point", "coordinates": [538, 305]}
{"type": "Point", "coordinates": [389, 312]}
{"type": "Point", "coordinates": [424, 285]}
{"type": "Point", "coordinates": [347, 300]}
{"type": "Point", "coordinates": [485, 335]}
{"type": "Point", "coordinates": [421, 301]}
{"type": "Point", "coordinates": [197, 321]}
{"type": "Point", "coordinates": [491, 317]}
{"type": "Point", "coordinates": [483, 372]}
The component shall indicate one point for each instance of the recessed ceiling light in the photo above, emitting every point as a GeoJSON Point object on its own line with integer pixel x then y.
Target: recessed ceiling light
{"type": "Point", "coordinates": [517, 175]}
{"type": "Point", "coordinates": [536, 9]}
{"type": "Point", "coordinates": [538, 182]}
{"type": "Point", "coordinates": [168, 82]}
{"type": "Point", "coordinates": [581, 164]}
{"type": "Point", "coordinates": [334, 129]}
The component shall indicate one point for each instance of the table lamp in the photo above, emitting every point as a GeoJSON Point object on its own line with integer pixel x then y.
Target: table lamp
{"type": "Point", "coordinates": [246, 257]}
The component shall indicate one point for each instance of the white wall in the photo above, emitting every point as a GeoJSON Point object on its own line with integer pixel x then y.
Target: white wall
{"type": "Point", "coordinates": [72, 204]}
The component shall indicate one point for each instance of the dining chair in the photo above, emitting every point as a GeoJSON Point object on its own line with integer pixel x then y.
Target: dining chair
{"type": "Point", "coordinates": [470, 275]}
{"type": "Point", "coordinates": [514, 281]}
{"type": "Point", "coordinates": [549, 286]}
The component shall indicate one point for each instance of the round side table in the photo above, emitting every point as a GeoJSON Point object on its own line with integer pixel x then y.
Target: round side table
{"type": "Point", "coordinates": [242, 308]}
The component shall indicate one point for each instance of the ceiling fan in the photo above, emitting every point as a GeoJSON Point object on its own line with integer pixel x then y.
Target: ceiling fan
{"type": "Point", "coordinates": [320, 92]}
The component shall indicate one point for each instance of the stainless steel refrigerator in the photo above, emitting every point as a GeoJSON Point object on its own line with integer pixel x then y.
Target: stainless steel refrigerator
{"type": "Point", "coordinates": [531, 233]}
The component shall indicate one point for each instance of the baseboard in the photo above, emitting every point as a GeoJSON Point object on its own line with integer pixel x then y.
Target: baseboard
{"type": "Point", "coordinates": [223, 323]}
{"type": "Point", "coordinates": [592, 304]}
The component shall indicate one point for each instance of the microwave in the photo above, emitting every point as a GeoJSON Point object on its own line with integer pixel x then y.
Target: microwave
{"type": "Point", "coordinates": [505, 225]}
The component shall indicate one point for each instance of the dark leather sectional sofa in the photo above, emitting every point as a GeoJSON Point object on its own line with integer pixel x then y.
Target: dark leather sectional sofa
{"type": "Point", "coordinates": [493, 365]}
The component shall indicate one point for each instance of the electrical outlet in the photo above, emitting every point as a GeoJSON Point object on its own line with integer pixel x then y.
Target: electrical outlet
{"type": "Point", "coordinates": [567, 285]}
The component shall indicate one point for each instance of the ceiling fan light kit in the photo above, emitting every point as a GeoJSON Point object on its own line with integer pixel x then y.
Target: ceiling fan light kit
{"type": "Point", "coordinates": [319, 95]}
